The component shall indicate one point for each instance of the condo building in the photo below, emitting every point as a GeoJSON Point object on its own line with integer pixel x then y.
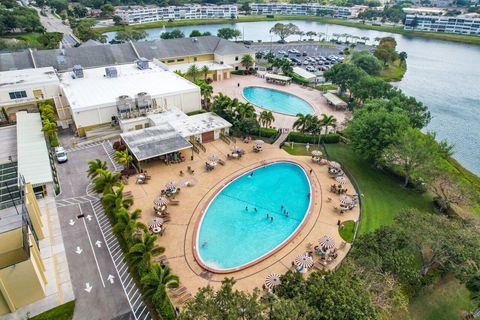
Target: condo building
{"type": "Point", "coordinates": [469, 25]}
{"type": "Point", "coordinates": [302, 9]}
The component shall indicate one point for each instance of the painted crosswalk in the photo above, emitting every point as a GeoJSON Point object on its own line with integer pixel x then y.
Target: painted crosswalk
{"type": "Point", "coordinates": [76, 200]}
{"type": "Point", "coordinates": [134, 297]}
{"type": "Point", "coordinates": [83, 146]}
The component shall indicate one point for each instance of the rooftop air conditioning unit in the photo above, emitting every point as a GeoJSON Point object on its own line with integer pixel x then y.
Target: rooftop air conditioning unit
{"type": "Point", "coordinates": [142, 63]}
{"type": "Point", "coordinates": [77, 71]}
{"type": "Point", "coordinates": [111, 72]}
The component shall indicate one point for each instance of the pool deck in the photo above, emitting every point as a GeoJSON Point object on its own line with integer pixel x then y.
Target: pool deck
{"type": "Point", "coordinates": [230, 88]}
{"type": "Point", "coordinates": [179, 231]}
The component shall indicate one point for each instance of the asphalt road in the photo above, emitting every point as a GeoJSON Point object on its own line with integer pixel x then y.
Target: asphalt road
{"type": "Point", "coordinates": [53, 24]}
{"type": "Point", "coordinates": [102, 286]}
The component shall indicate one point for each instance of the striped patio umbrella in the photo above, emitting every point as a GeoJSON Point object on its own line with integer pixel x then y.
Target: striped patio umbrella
{"type": "Point", "coordinates": [272, 280]}
{"type": "Point", "coordinates": [317, 153]}
{"type": "Point", "coordinates": [170, 185]}
{"type": "Point", "coordinates": [259, 142]}
{"type": "Point", "coordinates": [155, 223]}
{"type": "Point", "coordinates": [160, 201]}
{"type": "Point", "coordinates": [335, 165]}
{"type": "Point", "coordinates": [304, 261]}
{"type": "Point", "coordinates": [326, 242]}
{"type": "Point", "coordinates": [213, 158]}
{"type": "Point", "coordinates": [341, 180]}
{"type": "Point", "coordinates": [345, 200]}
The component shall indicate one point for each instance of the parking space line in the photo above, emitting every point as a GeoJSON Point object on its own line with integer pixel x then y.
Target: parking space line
{"type": "Point", "coordinates": [125, 270]}
{"type": "Point", "coordinates": [91, 245]}
{"type": "Point", "coordinates": [142, 311]}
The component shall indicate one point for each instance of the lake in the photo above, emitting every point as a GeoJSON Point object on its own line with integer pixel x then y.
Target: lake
{"type": "Point", "coordinates": [443, 75]}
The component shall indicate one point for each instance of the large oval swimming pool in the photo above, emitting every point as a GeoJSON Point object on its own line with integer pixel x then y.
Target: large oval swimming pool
{"type": "Point", "coordinates": [277, 101]}
{"type": "Point", "coordinates": [245, 222]}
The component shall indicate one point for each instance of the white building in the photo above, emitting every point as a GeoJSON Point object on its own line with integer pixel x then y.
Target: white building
{"type": "Point", "coordinates": [459, 24]}
{"type": "Point", "coordinates": [302, 9]}
{"type": "Point", "coordinates": [144, 14]}
{"type": "Point", "coordinates": [102, 96]}
{"type": "Point", "coordinates": [20, 90]}
{"type": "Point", "coordinates": [424, 11]}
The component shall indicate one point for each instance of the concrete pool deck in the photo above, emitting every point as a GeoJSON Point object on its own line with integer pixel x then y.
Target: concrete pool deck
{"type": "Point", "coordinates": [229, 87]}
{"type": "Point", "coordinates": [178, 236]}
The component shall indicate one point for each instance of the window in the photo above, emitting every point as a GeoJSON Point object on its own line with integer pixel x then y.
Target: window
{"type": "Point", "coordinates": [236, 68]}
{"type": "Point", "coordinates": [195, 59]}
{"type": "Point", "coordinates": [180, 60]}
{"type": "Point", "coordinates": [17, 95]}
{"type": "Point", "coordinates": [170, 61]}
{"type": "Point", "coordinates": [236, 58]}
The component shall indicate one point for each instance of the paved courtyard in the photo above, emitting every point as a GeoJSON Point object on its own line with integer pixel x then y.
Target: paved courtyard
{"type": "Point", "coordinates": [230, 88]}
{"type": "Point", "coordinates": [178, 236]}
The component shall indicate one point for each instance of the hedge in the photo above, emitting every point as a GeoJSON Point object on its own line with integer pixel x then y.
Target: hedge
{"type": "Point", "coordinates": [199, 111]}
{"type": "Point", "coordinates": [310, 138]}
{"type": "Point", "coordinates": [267, 132]}
{"type": "Point", "coordinates": [298, 79]}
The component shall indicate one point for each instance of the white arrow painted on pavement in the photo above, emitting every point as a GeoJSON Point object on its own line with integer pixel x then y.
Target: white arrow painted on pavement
{"type": "Point", "coordinates": [98, 243]}
{"type": "Point", "coordinates": [88, 287]}
{"type": "Point", "coordinates": [89, 217]}
{"type": "Point", "coordinates": [71, 222]}
{"type": "Point", "coordinates": [79, 250]}
{"type": "Point", "coordinates": [110, 278]}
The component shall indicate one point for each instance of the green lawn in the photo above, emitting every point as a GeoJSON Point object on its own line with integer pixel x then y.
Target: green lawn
{"type": "Point", "coordinates": [445, 301]}
{"type": "Point", "coordinates": [298, 149]}
{"type": "Point", "coordinates": [348, 231]}
{"type": "Point", "coordinates": [394, 72]}
{"type": "Point", "coordinates": [383, 197]}
{"type": "Point", "coordinates": [62, 312]}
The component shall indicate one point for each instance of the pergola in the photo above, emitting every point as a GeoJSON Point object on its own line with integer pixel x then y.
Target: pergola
{"type": "Point", "coordinates": [276, 78]}
{"type": "Point", "coordinates": [334, 100]}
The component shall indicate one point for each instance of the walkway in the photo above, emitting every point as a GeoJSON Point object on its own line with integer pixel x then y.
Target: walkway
{"type": "Point", "coordinates": [283, 136]}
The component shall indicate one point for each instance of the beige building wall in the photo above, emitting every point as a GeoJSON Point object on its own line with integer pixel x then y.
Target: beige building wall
{"type": "Point", "coordinates": [235, 60]}
{"type": "Point", "coordinates": [188, 59]}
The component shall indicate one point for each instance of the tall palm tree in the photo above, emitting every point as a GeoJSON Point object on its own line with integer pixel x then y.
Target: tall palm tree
{"type": "Point", "coordinates": [193, 72]}
{"type": "Point", "coordinates": [244, 111]}
{"type": "Point", "coordinates": [247, 61]}
{"type": "Point", "coordinates": [126, 223]}
{"type": "Point", "coordinates": [156, 282]}
{"type": "Point", "coordinates": [114, 201]}
{"type": "Point", "coordinates": [142, 251]}
{"type": "Point", "coordinates": [124, 158]}
{"type": "Point", "coordinates": [328, 121]}
{"type": "Point", "coordinates": [303, 122]}
{"type": "Point", "coordinates": [266, 118]}
{"type": "Point", "coordinates": [205, 70]}
{"type": "Point", "coordinates": [206, 91]}
{"type": "Point", "coordinates": [403, 57]}
{"type": "Point", "coordinates": [94, 166]}
{"type": "Point", "coordinates": [105, 181]}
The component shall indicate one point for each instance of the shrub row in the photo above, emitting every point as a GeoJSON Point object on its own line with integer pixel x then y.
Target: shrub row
{"type": "Point", "coordinates": [311, 138]}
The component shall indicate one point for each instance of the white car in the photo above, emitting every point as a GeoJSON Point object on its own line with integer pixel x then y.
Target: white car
{"type": "Point", "coordinates": [310, 69]}
{"type": "Point", "coordinates": [61, 155]}
{"type": "Point", "coordinates": [305, 62]}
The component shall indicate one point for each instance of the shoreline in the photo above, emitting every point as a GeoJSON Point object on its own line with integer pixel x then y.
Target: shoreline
{"type": "Point", "coordinates": [468, 39]}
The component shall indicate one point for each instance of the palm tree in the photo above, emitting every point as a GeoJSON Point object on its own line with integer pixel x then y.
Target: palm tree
{"type": "Point", "coordinates": [105, 181]}
{"type": "Point", "coordinates": [205, 70]}
{"type": "Point", "coordinates": [123, 157]}
{"type": "Point", "coordinates": [311, 34]}
{"type": "Point", "coordinates": [303, 122]}
{"type": "Point", "coordinates": [94, 166]}
{"type": "Point", "coordinates": [142, 251]}
{"type": "Point", "coordinates": [266, 118]}
{"type": "Point", "coordinates": [247, 61]}
{"type": "Point", "coordinates": [193, 72]}
{"type": "Point", "coordinates": [206, 91]}
{"type": "Point", "coordinates": [403, 57]}
{"type": "Point", "coordinates": [156, 282]}
{"type": "Point", "coordinates": [126, 223]}
{"type": "Point", "coordinates": [180, 73]}
{"type": "Point", "coordinates": [244, 111]}
{"type": "Point", "coordinates": [50, 128]}
{"type": "Point", "coordinates": [328, 121]}
{"type": "Point", "coordinates": [115, 201]}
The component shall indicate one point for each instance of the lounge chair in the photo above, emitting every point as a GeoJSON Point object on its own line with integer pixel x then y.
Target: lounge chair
{"type": "Point", "coordinates": [162, 232]}
{"type": "Point", "coordinates": [166, 218]}
{"type": "Point", "coordinates": [178, 292]}
{"type": "Point", "coordinates": [221, 162]}
{"type": "Point", "coordinates": [185, 298]}
{"type": "Point", "coordinates": [342, 245]}
{"type": "Point", "coordinates": [318, 266]}
{"type": "Point", "coordinates": [174, 202]}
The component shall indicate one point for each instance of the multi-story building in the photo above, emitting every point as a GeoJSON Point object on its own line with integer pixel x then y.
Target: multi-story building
{"type": "Point", "coordinates": [460, 24]}
{"type": "Point", "coordinates": [301, 9]}
{"type": "Point", "coordinates": [141, 14]}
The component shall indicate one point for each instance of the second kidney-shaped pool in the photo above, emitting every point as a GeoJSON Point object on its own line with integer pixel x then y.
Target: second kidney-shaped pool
{"type": "Point", "coordinates": [252, 216]}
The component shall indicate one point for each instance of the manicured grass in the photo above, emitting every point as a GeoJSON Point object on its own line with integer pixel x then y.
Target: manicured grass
{"type": "Point", "coordinates": [298, 149]}
{"type": "Point", "coordinates": [326, 87]}
{"type": "Point", "coordinates": [394, 71]}
{"type": "Point", "coordinates": [347, 231]}
{"type": "Point", "coordinates": [383, 196]}
{"type": "Point", "coordinates": [446, 300]}
{"type": "Point", "coordinates": [347, 23]}
{"type": "Point", "coordinates": [62, 312]}
{"type": "Point", "coordinates": [30, 37]}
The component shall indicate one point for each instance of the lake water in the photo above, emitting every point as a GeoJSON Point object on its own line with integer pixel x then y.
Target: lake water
{"type": "Point", "coordinates": [443, 75]}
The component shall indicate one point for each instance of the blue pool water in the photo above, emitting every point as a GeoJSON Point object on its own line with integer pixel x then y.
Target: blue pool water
{"type": "Point", "coordinates": [277, 101]}
{"type": "Point", "coordinates": [230, 236]}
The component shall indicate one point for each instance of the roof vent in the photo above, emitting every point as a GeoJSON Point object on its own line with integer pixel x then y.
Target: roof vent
{"type": "Point", "coordinates": [77, 71]}
{"type": "Point", "coordinates": [111, 72]}
{"type": "Point", "coordinates": [142, 63]}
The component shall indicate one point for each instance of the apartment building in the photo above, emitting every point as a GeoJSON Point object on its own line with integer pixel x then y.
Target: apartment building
{"type": "Point", "coordinates": [469, 25]}
{"type": "Point", "coordinates": [302, 9]}
{"type": "Point", "coordinates": [141, 14]}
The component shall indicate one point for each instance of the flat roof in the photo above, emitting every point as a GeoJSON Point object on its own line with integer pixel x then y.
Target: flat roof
{"type": "Point", "coordinates": [333, 99]}
{"type": "Point", "coordinates": [154, 141]}
{"type": "Point", "coordinates": [277, 77]}
{"type": "Point", "coordinates": [33, 158]}
{"type": "Point", "coordinates": [304, 73]}
{"type": "Point", "coordinates": [200, 123]}
{"type": "Point", "coordinates": [28, 77]}
{"type": "Point", "coordinates": [95, 90]}
{"type": "Point", "coordinates": [8, 144]}
{"type": "Point", "coordinates": [212, 66]}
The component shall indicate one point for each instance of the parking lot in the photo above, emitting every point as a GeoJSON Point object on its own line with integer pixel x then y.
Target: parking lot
{"type": "Point", "coordinates": [312, 57]}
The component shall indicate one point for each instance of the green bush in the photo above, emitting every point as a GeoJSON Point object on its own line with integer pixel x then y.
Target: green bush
{"type": "Point", "coordinates": [267, 132]}
{"type": "Point", "coordinates": [167, 311]}
{"type": "Point", "coordinates": [192, 113]}
{"type": "Point", "coordinates": [300, 80]}
{"type": "Point", "coordinates": [310, 138]}
{"type": "Point", "coordinates": [270, 16]}
{"type": "Point", "coordinates": [238, 72]}
{"type": "Point", "coordinates": [54, 142]}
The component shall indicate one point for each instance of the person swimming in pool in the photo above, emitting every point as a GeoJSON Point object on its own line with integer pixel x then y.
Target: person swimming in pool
{"type": "Point", "coordinates": [255, 209]}
{"type": "Point", "coordinates": [204, 244]}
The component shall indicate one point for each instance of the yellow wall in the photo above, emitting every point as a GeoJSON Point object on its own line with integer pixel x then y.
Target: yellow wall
{"type": "Point", "coordinates": [33, 209]}
{"type": "Point", "coordinates": [11, 247]}
{"type": "Point", "coordinates": [188, 59]}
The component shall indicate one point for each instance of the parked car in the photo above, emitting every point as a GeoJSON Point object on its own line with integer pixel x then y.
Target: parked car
{"type": "Point", "coordinates": [304, 53]}
{"type": "Point", "coordinates": [281, 52]}
{"type": "Point", "coordinates": [305, 62]}
{"type": "Point", "coordinates": [310, 69]}
{"type": "Point", "coordinates": [61, 155]}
